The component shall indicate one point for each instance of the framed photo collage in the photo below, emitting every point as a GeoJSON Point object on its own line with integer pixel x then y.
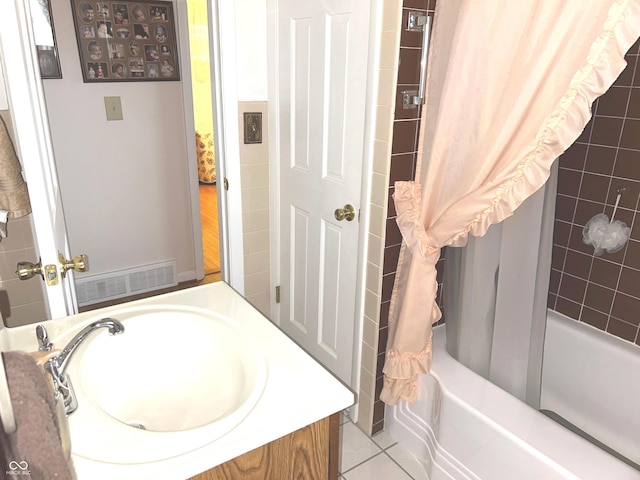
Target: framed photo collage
{"type": "Point", "coordinates": [126, 41]}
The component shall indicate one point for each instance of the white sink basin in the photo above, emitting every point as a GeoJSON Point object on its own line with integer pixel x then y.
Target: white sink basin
{"type": "Point", "coordinates": [178, 378]}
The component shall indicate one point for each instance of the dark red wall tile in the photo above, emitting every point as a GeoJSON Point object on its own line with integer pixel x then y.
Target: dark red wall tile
{"type": "Point", "coordinates": [600, 159]}
{"type": "Point", "coordinates": [626, 307]}
{"type": "Point", "coordinates": [390, 261]}
{"type": "Point", "coordinates": [574, 157]}
{"type": "Point", "coordinates": [404, 136]}
{"type": "Point", "coordinates": [393, 235]}
{"type": "Point", "coordinates": [586, 210]}
{"type": "Point", "coordinates": [627, 164]}
{"type": "Point", "coordinates": [614, 102]}
{"type": "Point", "coordinates": [409, 67]}
{"type": "Point", "coordinates": [594, 318]}
{"type": "Point", "coordinates": [622, 329]}
{"type": "Point", "coordinates": [634, 104]}
{"type": "Point", "coordinates": [630, 134]}
{"type": "Point", "coordinates": [572, 288]}
{"type": "Point", "coordinates": [565, 208]}
{"type": "Point", "coordinates": [585, 135]}
{"type": "Point", "coordinates": [578, 264]}
{"type": "Point", "coordinates": [605, 273]}
{"type": "Point", "coordinates": [567, 307]}
{"type": "Point", "coordinates": [630, 283]}
{"type": "Point", "coordinates": [594, 187]}
{"type": "Point", "coordinates": [417, 4]}
{"type": "Point", "coordinates": [606, 131]}
{"type": "Point", "coordinates": [387, 287]}
{"type": "Point", "coordinates": [632, 258]}
{"type": "Point", "coordinates": [401, 168]}
{"type": "Point", "coordinates": [569, 182]}
{"type": "Point", "coordinates": [561, 232]}
{"type": "Point", "coordinates": [599, 298]}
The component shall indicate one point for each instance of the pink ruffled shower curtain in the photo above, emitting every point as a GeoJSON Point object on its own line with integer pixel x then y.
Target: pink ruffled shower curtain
{"type": "Point", "coordinates": [510, 87]}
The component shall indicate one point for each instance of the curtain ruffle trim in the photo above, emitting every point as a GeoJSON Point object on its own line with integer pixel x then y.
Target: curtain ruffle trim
{"type": "Point", "coordinates": [560, 130]}
{"type": "Point", "coordinates": [567, 121]}
{"type": "Point", "coordinates": [402, 384]}
{"type": "Point", "coordinates": [407, 199]}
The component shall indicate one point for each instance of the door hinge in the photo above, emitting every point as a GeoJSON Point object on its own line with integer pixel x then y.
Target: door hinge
{"type": "Point", "coordinates": [278, 294]}
{"type": "Point", "coordinates": [226, 184]}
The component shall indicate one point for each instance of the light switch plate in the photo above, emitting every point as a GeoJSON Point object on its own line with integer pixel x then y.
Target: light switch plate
{"type": "Point", "coordinates": [113, 107]}
{"type": "Point", "coordinates": [252, 127]}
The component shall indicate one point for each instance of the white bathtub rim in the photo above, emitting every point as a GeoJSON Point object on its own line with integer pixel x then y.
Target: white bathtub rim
{"type": "Point", "coordinates": [526, 427]}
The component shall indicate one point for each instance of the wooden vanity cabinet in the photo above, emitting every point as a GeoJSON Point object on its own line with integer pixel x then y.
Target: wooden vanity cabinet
{"type": "Point", "coordinates": [311, 453]}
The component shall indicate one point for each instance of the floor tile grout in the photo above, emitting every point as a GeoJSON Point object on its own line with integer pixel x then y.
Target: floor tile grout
{"type": "Point", "coordinates": [382, 451]}
{"type": "Point", "coordinates": [399, 466]}
{"type": "Point", "coordinates": [362, 462]}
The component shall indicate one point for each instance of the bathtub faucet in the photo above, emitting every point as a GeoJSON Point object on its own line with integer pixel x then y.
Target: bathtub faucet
{"type": "Point", "coordinates": [57, 365]}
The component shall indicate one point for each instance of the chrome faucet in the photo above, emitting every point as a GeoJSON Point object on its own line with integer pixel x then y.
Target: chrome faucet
{"type": "Point", "coordinates": [57, 365]}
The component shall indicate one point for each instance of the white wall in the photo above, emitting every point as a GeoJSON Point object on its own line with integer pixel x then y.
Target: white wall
{"type": "Point", "coordinates": [124, 183]}
{"type": "Point", "coordinates": [251, 82]}
{"type": "Point", "coordinates": [251, 48]}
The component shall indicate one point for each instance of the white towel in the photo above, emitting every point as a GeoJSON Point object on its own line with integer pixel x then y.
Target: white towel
{"type": "Point", "coordinates": [14, 196]}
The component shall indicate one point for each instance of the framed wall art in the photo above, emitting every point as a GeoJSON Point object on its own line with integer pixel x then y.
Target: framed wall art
{"type": "Point", "coordinates": [126, 41]}
{"type": "Point", "coordinates": [45, 37]}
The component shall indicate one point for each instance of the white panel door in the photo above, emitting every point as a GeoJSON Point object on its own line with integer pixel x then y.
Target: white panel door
{"type": "Point", "coordinates": [322, 49]}
{"type": "Point", "coordinates": [34, 147]}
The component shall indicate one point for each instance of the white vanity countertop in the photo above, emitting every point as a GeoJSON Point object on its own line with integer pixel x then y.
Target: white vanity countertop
{"type": "Point", "coordinates": [298, 391]}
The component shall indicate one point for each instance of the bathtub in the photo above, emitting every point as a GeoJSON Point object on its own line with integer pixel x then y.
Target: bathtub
{"type": "Point", "coordinates": [464, 427]}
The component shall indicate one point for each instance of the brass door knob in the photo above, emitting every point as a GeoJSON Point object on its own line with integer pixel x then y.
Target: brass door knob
{"type": "Point", "coordinates": [77, 263]}
{"type": "Point", "coordinates": [27, 270]}
{"type": "Point", "coordinates": [347, 213]}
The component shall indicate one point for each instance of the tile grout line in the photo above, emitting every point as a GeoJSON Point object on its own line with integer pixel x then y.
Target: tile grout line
{"type": "Point", "coordinates": [573, 217]}
{"type": "Point", "coordinates": [383, 450]}
{"type": "Point", "coordinates": [624, 256]}
{"type": "Point", "coordinates": [400, 466]}
{"type": "Point", "coordinates": [363, 462]}
{"type": "Point", "coordinates": [626, 247]}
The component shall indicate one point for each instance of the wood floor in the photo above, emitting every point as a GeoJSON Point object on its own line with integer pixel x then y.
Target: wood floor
{"type": "Point", "coordinates": [210, 239]}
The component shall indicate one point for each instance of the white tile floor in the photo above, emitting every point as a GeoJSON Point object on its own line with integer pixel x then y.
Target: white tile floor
{"type": "Point", "coordinates": [375, 458]}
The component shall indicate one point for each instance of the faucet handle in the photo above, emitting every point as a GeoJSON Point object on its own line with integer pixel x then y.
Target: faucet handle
{"type": "Point", "coordinates": [44, 345]}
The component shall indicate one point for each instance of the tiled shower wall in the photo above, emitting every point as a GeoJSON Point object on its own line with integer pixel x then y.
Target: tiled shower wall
{"type": "Point", "coordinates": [602, 291]}
{"type": "Point", "coordinates": [404, 147]}
{"type": "Point", "coordinates": [388, 41]}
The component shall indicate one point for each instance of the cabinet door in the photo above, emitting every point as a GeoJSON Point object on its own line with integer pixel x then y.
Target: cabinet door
{"type": "Point", "coordinates": [311, 452]}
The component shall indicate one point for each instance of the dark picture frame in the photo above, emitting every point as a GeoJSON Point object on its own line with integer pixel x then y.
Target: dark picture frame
{"type": "Point", "coordinates": [126, 40]}
{"type": "Point", "coordinates": [45, 38]}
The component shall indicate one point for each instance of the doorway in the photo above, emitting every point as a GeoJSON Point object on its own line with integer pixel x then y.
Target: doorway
{"type": "Point", "coordinates": [157, 101]}
{"type": "Point", "coordinates": [205, 139]}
